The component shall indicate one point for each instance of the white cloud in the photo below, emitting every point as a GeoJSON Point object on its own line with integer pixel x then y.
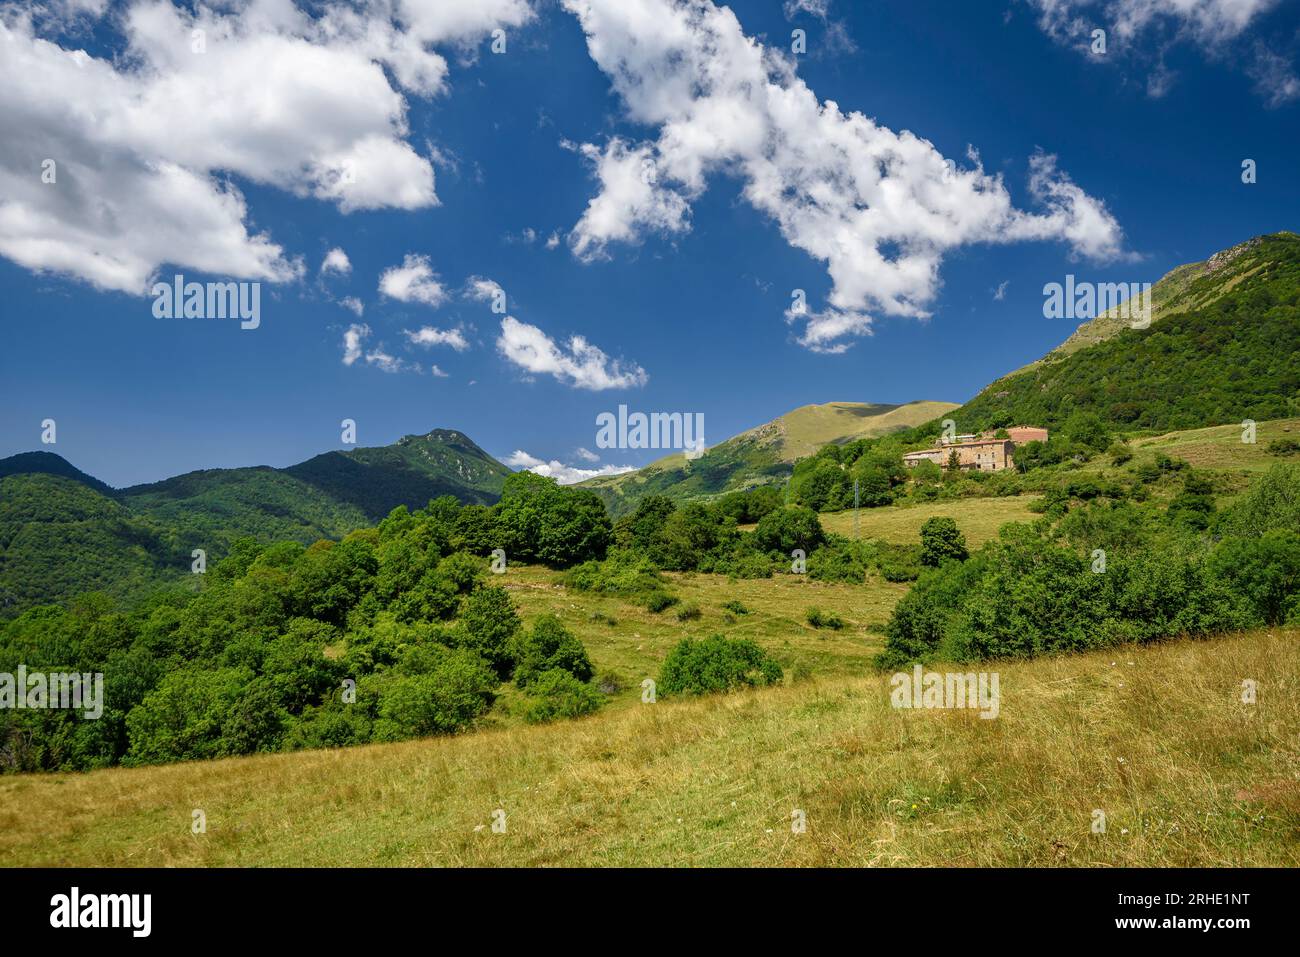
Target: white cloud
{"type": "Point", "coordinates": [307, 102]}
{"type": "Point", "coordinates": [482, 289]}
{"type": "Point", "coordinates": [336, 261]}
{"type": "Point", "coordinates": [428, 336]}
{"type": "Point", "coordinates": [1000, 293]}
{"type": "Point", "coordinates": [580, 364]}
{"type": "Point", "coordinates": [354, 348]}
{"type": "Point", "coordinates": [1141, 31]}
{"type": "Point", "coordinates": [563, 474]}
{"type": "Point", "coordinates": [1208, 22]}
{"type": "Point", "coordinates": [438, 373]}
{"type": "Point", "coordinates": [816, 8]}
{"type": "Point", "coordinates": [630, 200]}
{"type": "Point", "coordinates": [586, 455]}
{"type": "Point", "coordinates": [353, 337]}
{"type": "Point", "coordinates": [553, 240]}
{"type": "Point", "coordinates": [353, 303]}
{"type": "Point", "coordinates": [879, 208]}
{"type": "Point", "coordinates": [1275, 77]}
{"type": "Point", "coordinates": [413, 281]}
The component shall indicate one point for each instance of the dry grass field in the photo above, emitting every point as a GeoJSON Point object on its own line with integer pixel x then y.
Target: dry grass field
{"type": "Point", "coordinates": [1157, 738]}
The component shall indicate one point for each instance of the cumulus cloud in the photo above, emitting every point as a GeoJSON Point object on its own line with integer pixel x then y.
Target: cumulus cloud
{"type": "Point", "coordinates": [355, 349]}
{"type": "Point", "coordinates": [438, 373]}
{"type": "Point", "coordinates": [586, 455]}
{"type": "Point", "coordinates": [630, 200]}
{"type": "Point", "coordinates": [482, 289]}
{"type": "Point", "coordinates": [310, 102]}
{"type": "Point", "coordinates": [878, 207]}
{"type": "Point", "coordinates": [578, 363]}
{"type": "Point", "coordinates": [563, 474]}
{"type": "Point", "coordinates": [413, 281]}
{"type": "Point", "coordinates": [428, 336]}
{"type": "Point", "coordinates": [352, 303]}
{"type": "Point", "coordinates": [336, 261]}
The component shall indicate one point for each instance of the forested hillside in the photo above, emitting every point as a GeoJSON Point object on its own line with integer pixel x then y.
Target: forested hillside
{"type": "Point", "coordinates": [63, 532]}
{"type": "Point", "coordinates": [1225, 348]}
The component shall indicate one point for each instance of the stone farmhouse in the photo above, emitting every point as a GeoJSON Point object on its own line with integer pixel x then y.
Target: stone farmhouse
{"type": "Point", "coordinates": [978, 453]}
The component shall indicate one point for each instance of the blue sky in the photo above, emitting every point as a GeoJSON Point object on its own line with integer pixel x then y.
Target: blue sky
{"type": "Point", "coordinates": [684, 291]}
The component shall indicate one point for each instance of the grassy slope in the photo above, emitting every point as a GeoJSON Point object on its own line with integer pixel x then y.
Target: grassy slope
{"type": "Point", "coordinates": [1177, 291]}
{"type": "Point", "coordinates": [978, 518]}
{"type": "Point", "coordinates": [636, 646]}
{"type": "Point", "coordinates": [1156, 737]}
{"type": "Point", "coordinates": [1220, 447]}
{"type": "Point", "coordinates": [761, 455]}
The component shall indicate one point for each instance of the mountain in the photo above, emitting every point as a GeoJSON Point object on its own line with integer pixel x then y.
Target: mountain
{"type": "Point", "coordinates": [63, 532]}
{"type": "Point", "coordinates": [328, 495]}
{"type": "Point", "coordinates": [47, 463]}
{"type": "Point", "coordinates": [762, 455]}
{"type": "Point", "coordinates": [1223, 345]}
{"type": "Point", "coordinates": [61, 536]}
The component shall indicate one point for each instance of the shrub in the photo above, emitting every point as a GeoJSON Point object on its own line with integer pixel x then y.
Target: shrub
{"type": "Point", "coordinates": [892, 570]}
{"type": "Point", "coordinates": [840, 560]}
{"type": "Point", "coordinates": [716, 664]}
{"type": "Point", "coordinates": [1266, 570]}
{"type": "Point", "coordinates": [744, 563]}
{"type": "Point", "coordinates": [556, 693]}
{"type": "Point", "coordinates": [689, 612]}
{"type": "Point", "coordinates": [736, 608]}
{"type": "Point", "coordinates": [1282, 447]}
{"type": "Point", "coordinates": [660, 601]}
{"type": "Point", "coordinates": [456, 690]}
{"type": "Point", "coordinates": [1025, 595]}
{"type": "Point", "coordinates": [547, 646]}
{"type": "Point", "coordinates": [823, 619]}
{"type": "Point", "coordinates": [941, 540]}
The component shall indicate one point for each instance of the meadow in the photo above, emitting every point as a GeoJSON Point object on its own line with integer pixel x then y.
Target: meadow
{"type": "Point", "coordinates": [1157, 738]}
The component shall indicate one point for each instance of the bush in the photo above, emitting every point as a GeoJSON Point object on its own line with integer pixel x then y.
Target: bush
{"type": "Point", "coordinates": [716, 664]}
{"type": "Point", "coordinates": [941, 540]}
{"type": "Point", "coordinates": [457, 689]}
{"type": "Point", "coordinates": [823, 619]}
{"type": "Point", "coordinates": [660, 601]}
{"type": "Point", "coordinates": [556, 693]}
{"type": "Point", "coordinates": [1283, 447]}
{"type": "Point", "coordinates": [1266, 570]}
{"type": "Point", "coordinates": [892, 570]}
{"type": "Point", "coordinates": [1025, 595]}
{"type": "Point", "coordinates": [840, 560]}
{"type": "Point", "coordinates": [689, 612]}
{"type": "Point", "coordinates": [547, 646]}
{"type": "Point", "coordinates": [735, 607]}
